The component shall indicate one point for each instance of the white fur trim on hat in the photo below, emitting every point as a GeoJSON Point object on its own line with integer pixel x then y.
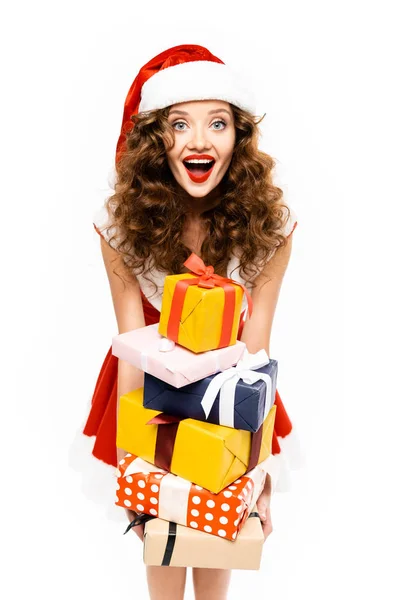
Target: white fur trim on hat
{"type": "Point", "coordinates": [195, 80]}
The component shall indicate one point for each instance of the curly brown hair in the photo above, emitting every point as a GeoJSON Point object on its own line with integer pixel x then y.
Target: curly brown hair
{"type": "Point", "coordinates": [148, 215]}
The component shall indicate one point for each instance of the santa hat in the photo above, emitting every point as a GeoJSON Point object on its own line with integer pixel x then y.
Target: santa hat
{"type": "Point", "coordinates": [180, 74]}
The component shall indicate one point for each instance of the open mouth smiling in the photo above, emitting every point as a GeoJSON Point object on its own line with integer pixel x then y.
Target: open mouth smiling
{"type": "Point", "coordinates": [199, 167]}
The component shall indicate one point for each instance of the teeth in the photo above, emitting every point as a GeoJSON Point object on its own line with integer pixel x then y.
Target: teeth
{"type": "Point", "coordinates": [203, 161]}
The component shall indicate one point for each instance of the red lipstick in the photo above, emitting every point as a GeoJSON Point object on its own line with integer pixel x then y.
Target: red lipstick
{"type": "Point", "coordinates": [199, 172]}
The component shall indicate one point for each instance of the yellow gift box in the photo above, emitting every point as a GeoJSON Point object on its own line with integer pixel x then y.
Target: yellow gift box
{"type": "Point", "coordinates": [201, 319]}
{"type": "Point", "coordinates": [212, 456]}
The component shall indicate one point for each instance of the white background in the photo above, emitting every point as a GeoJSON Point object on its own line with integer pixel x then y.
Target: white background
{"type": "Point", "coordinates": [325, 75]}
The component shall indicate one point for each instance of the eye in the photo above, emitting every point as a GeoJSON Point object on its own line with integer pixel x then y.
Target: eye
{"type": "Point", "coordinates": [177, 125]}
{"type": "Point", "coordinates": [221, 125]}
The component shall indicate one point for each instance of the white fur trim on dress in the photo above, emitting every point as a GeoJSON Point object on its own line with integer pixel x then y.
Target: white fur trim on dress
{"type": "Point", "coordinates": [195, 80]}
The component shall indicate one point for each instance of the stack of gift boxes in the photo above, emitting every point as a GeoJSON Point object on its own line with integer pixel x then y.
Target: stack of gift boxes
{"type": "Point", "coordinates": [198, 435]}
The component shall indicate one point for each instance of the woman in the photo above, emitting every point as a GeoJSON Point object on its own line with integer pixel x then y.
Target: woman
{"type": "Point", "coordinates": [189, 178]}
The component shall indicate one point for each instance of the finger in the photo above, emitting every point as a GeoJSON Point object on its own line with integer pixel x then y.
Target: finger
{"type": "Point", "coordinates": [262, 511]}
{"type": "Point", "coordinates": [139, 530]}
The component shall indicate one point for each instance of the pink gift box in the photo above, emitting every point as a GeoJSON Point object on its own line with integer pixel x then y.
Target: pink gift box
{"type": "Point", "coordinates": [178, 367]}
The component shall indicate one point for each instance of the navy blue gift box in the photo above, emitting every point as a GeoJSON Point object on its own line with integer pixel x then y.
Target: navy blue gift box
{"type": "Point", "coordinates": [185, 402]}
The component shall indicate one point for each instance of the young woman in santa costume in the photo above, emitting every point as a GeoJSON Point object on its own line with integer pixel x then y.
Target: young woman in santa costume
{"type": "Point", "coordinates": [189, 178]}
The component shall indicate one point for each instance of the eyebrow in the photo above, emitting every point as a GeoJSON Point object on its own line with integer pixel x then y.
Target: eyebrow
{"type": "Point", "coordinates": [210, 112]}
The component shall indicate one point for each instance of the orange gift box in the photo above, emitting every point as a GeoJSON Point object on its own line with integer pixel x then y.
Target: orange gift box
{"type": "Point", "coordinates": [145, 488]}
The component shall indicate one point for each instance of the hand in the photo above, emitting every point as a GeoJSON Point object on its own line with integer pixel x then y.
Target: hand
{"type": "Point", "coordinates": [264, 509]}
{"type": "Point", "coordinates": [138, 529]}
{"type": "Point", "coordinates": [266, 522]}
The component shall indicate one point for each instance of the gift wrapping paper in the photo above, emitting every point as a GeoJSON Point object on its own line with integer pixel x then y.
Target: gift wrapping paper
{"type": "Point", "coordinates": [144, 488]}
{"type": "Point", "coordinates": [239, 403]}
{"type": "Point", "coordinates": [211, 456]}
{"type": "Point", "coordinates": [201, 319]}
{"type": "Point", "coordinates": [178, 367]}
{"type": "Point", "coordinates": [169, 544]}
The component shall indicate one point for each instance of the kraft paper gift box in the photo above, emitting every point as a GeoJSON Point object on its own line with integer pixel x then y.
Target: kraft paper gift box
{"type": "Point", "coordinates": [169, 544]}
{"type": "Point", "coordinates": [239, 397]}
{"type": "Point", "coordinates": [202, 311]}
{"type": "Point", "coordinates": [178, 367]}
{"type": "Point", "coordinates": [211, 456]}
{"type": "Point", "coordinates": [144, 488]}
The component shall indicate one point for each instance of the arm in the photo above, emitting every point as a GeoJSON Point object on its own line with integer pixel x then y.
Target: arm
{"type": "Point", "coordinates": [127, 301]}
{"type": "Point", "coordinates": [257, 330]}
{"type": "Point", "coordinates": [256, 335]}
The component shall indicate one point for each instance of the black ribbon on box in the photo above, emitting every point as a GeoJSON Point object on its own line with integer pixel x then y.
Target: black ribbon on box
{"type": "Point", "coordinates": [172, 529]}
{"type": "Point", "coordinates": [169, 547]}
{"type": "Point", "coordinates": [140, 519]}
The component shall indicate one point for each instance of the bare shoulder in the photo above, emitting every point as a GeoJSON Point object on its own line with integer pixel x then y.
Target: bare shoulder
{"type": "Point", "coordinates": [114, 263]}
{"type": "Point", "coordinates": [275, 268]}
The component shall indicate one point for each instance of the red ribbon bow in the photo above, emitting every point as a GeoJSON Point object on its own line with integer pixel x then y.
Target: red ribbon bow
{"type": "Point", "coordinates": [206, 279]}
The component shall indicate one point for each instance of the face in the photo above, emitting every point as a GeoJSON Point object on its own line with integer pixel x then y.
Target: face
{"type": "Point", "coordinates": [204, 134]}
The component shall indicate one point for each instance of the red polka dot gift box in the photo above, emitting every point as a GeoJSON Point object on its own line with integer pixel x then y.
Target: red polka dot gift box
{"type": "Point", "coordinates": [145, 488]}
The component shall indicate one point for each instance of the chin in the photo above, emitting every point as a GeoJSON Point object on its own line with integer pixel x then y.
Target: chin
{"type": "Point", "coordinates": [198, 190]}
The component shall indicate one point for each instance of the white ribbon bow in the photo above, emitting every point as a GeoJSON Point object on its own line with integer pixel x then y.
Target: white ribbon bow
{"type": "Point", "coordinates": [226, 381]}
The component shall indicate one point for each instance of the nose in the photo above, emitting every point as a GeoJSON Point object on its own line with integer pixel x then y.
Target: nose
{"type": "Point", "coordinates": [199, 140]}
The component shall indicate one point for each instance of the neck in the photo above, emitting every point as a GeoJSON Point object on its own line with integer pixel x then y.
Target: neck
{"type": "Point", "coordinates": [196, 206]}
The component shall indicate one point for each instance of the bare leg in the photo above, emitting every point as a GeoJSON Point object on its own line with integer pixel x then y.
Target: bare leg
{"type": "Point", "coordinates": [166, 583]}
{"type": "Point", "coordinates": [211, 584]}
